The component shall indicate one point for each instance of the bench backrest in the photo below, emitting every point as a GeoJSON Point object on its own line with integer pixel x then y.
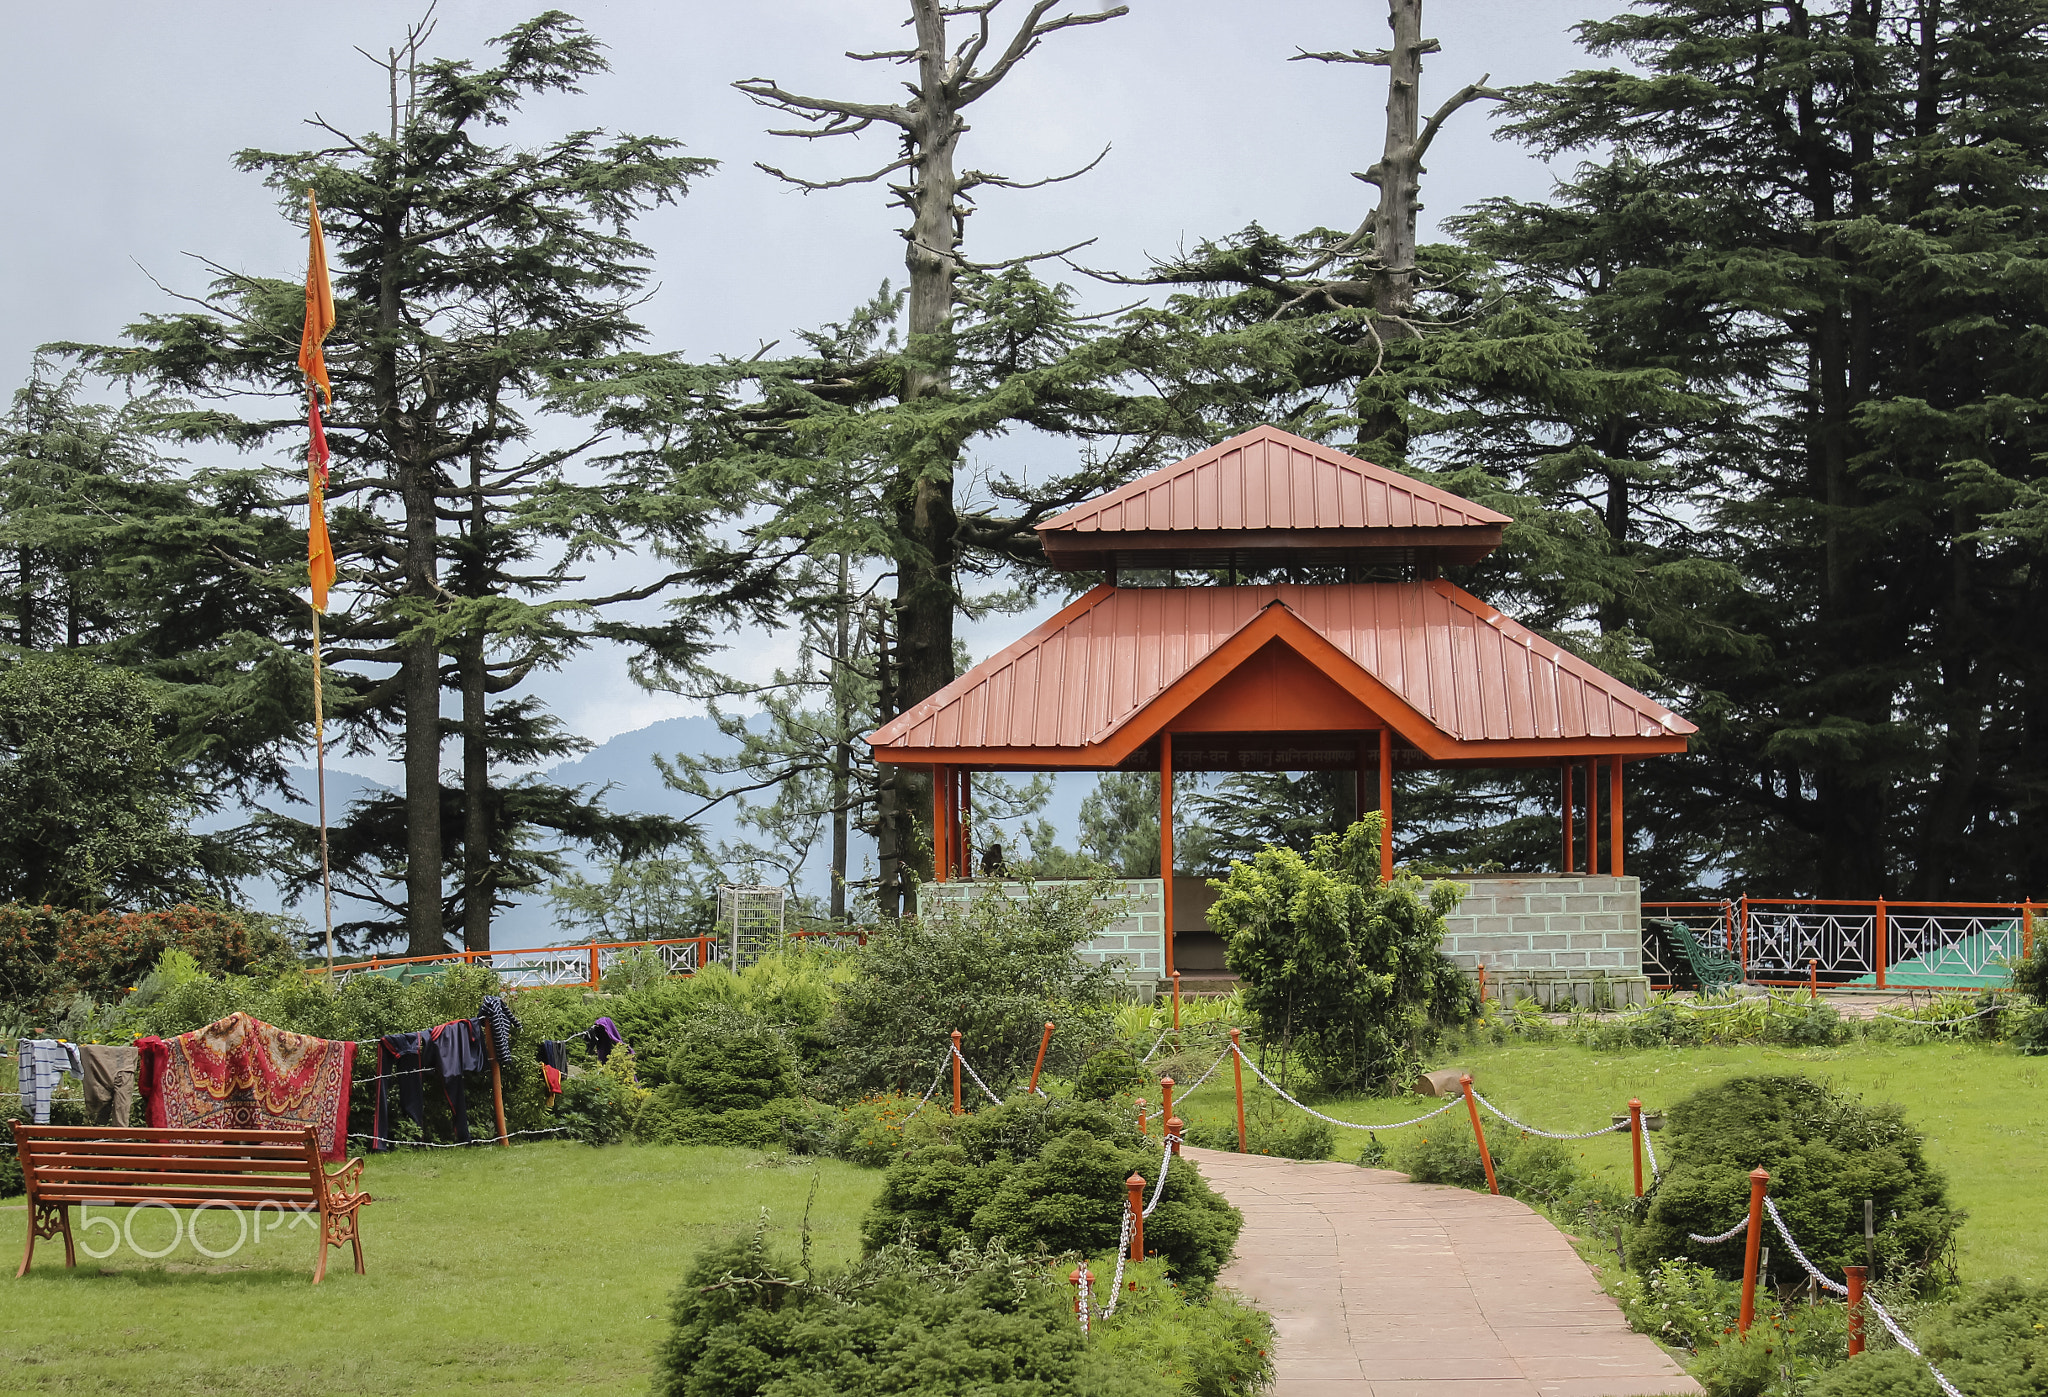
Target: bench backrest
{"type": "Point", "coordinates": [236, 1168]}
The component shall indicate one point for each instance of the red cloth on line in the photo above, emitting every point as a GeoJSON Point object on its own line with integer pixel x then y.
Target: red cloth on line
{"type": "Point", "coordinates": [244, 1074]}
{"type": "Point", "coordinates": [554, 1079]}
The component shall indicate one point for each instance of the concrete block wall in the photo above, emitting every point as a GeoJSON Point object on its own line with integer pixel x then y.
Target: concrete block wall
{"type": "Point", "coordinates": [1553, 936]}
{"type": "Point", "coordinates": [1134, 942]}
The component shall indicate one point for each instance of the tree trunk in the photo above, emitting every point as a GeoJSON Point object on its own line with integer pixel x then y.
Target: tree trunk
{"type": "Point", "coordinates": [842, 749]}
{"type": "Point", "coordinates": [477, 867]}
{"type": "Point", "coordinates": [925, 518]}
{"type": "Point", "coordinates": [1400, 167]}
{"type": "Point", "coordinates": [403, 434]}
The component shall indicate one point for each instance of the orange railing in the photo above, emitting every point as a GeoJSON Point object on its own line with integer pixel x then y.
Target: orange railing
{"type": "Point", "coordinates": [584, 965]}
{"type": "Point", "coordinates": [1839, 941]}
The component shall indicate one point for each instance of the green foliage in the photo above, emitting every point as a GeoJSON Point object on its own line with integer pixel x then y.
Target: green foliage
{"type": "Point", "coordinates": [596, 1108]}
{"type": "Point", "coordinates": [1110, 1073]}
{"type": "Point", "coordinates": [1339, 968]}
{"type": "Point", "coordinates": [92, 808]}
{"type": "Point", "coordinates": [1213, 1345]}
{"type": "Point", "coordinates": [2030, 972]}
{"type": "Point", "coordinates": [1990, 1342]}
{"type": "Point", "coordinates": [1045, 1176]}
{"type": "Point", "coordinates": [728, 1062]}
{"type": "Point", "coordinates": [1528, 1167]}
{"type": "Point", "coordinates": [49, 953]}
{"type": "Point", "coordinates": [901, 1322]}
{"type": "Point", "coordinates": [1826, 1153]}
{"type": "Point", "coordinates": [993, 967]}
{"type": "Point", "coordinates": [1270, 1128]}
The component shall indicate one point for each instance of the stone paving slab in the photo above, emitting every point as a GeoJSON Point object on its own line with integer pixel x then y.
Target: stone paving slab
{"type": "Point", "coordinates": [1383, 1288]}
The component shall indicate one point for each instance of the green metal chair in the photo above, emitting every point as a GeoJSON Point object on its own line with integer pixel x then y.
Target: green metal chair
{"type": "Point", "coordinates": [1713, 970]}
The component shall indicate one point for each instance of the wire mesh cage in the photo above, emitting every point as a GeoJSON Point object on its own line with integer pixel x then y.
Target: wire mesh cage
{"type": "Point", "coordinates": [751, 922]}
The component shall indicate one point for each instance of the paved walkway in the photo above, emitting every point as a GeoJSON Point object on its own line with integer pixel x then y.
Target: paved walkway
{"type": "Point", "coordinates": [1383, 1288]}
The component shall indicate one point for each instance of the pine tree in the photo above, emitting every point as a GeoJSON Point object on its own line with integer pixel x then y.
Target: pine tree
{"type": "Point", "coordinates": [478, 288]}
{"type": "Point", "coordinates": [988, 348]}
{"type": "Point", "coordinates": [1852, 199]}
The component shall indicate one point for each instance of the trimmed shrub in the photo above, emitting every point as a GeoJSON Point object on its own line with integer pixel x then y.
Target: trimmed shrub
{"type": "Point", "coordinates": [727, 1061]}
{"type": "Point", "coordinates": [1826, 1153]}
{"type": "Point", "coordinates": [1340, 969]}
{"type": "Point", "coordinates": [994, 968]}
{"type": "Point", "coordinates": [1990, 1342]}
{"type": "Point", "coordinates": [1214, 1346]}
{"type": "Point", "coordinates": [901, 1322]}
{"type": "Point", "coordinates": [1110, 1073]}
{"type": "Point", "coordinates": [1047, 1177]}
{"type": "Point", "coordinates": [1528, 1167]}
{"type": "Point", "coordinates": [1269, 1129]}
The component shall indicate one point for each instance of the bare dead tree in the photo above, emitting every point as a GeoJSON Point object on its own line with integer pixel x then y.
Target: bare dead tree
{"type": "Point", "coordinates": [956, 59]}
{"type": "Point", "coordinates": [1398, 172]}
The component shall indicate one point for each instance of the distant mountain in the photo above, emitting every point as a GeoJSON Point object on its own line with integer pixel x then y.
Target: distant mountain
{"type": "Point", "coordinates": [625, 763]}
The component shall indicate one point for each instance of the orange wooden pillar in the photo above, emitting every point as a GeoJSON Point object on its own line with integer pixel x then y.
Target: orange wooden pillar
{"type": "Point", "coordinates": [1614, 839]}
{"type": "Point", "coordinates": [1592, 815]}
{"type": "Point", "coordinates": [1386, 805]}
{"type": "Point", "coordinates": [1564, 781]}
{"type": "Point", "coordinates": [966, 823]}
{"type": "Point", "coordinates": [1166, 846]}
{"type": "Point", "coordinates": [940, 779]}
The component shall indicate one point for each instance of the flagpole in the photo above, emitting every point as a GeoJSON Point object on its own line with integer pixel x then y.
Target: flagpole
{"type": "Point", "coordinates": [320, 759]}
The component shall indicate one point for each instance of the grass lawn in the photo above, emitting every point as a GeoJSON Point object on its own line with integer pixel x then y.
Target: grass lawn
{"type": "Point", "coordinates": [1983, 1109]}
{"type": "Point", "coordinates": [543, 1269]}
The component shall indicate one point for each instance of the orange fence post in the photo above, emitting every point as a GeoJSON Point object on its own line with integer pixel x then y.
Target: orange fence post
{"type": "Point", "coordinates": [1165, 1097]}
{"type": "Point", "coordinates": [956, 1074]}
{"type": "Point", "coordinates": [594, 983]}
{"type": "Point", "coordinates": [1144, 1121]}
{"type": "Point", "coordinates": [1759, 1180]}
{"type": "Point", "coordinates": [2027, 928]}
{"type": "Point", "coordinates": [1813, 979]}
{"type": "Point", "coordinates": [1134, 1188]}
{"type": "Point", "coordinates": [1080, 1278]}
{"type": "Point", "coordinates": [1479, 1133]}
{"type": "Point", "coordinates": [497, 1083]}
{"type": "Point", "coordinates": [1043, 1044]}
{"type": "Point", "coordinates": [1482, 987]}
{"type": "Point", "coordinates": [1174, 1126]}
{"type": "Point", "coordinates": [1176, 1001]}
{"type": "Point", "coordinates": [1877, 936]}
{"type": "Point", "coordinates": [1635, 1139]}
{"type": "Point", "coordinates": [1855, 1310]}
{"type": "Point", "coordinates": [1742, 943]}
{"type": "Point", "coordinates": [1237, 1071]}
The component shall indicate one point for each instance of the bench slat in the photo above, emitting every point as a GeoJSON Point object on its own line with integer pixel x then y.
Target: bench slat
{"type": "Point", "coordinates": [75, 1178]}
{"type": "Point", "coordinates": [155, 1149]}
{"type": "Point", "coordinates": [47, 1163]}
{"type": "Point", "coordinates": [177, 1198]}
{"type": "Point", "coordinates": [153, 1132]}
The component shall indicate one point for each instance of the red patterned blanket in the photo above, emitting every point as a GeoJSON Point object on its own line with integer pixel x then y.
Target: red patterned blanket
{"type": "Point", "coordinates": [244, 1074]}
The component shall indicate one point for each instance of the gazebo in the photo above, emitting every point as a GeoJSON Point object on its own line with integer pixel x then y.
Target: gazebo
{"type": "Point", "coordinates": [1406, 670]}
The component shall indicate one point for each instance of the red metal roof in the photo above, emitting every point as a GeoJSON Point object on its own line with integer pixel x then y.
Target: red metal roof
{"type": "Point", "coordinates": [1270, 492]}
{"type": "Point", "coordinates": [1450, 674]}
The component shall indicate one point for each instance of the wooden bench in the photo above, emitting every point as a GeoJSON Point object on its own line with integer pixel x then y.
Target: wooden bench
{"type": "Point", "coordinates": [246, 1170]}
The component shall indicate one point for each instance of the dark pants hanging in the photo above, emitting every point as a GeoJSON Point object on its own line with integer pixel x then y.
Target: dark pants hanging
{"type": "Point", "coordinates": [400, 1063]}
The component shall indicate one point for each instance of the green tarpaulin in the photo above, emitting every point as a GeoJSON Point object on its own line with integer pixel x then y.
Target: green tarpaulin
{"type": "Point", "coordinates": [1955, 965]}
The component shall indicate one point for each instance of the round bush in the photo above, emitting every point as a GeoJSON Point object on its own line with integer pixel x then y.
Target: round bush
{"type": "Point", "coordinates": [1110, 1073]}
{"type": "Point", "coordinates": [1826, 1153]}
{"type": "Point", "coordinates": [1047, 1176]}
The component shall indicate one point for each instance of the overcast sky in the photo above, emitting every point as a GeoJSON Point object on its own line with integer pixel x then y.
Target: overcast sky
{"type": "Point", "coordinates": [122, 118]}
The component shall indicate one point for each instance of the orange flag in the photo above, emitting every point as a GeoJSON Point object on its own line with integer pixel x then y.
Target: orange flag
{"type": "Point", "coordinates": [319, 306]}
{"type": "Point", "coordinates": [313, 363]}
